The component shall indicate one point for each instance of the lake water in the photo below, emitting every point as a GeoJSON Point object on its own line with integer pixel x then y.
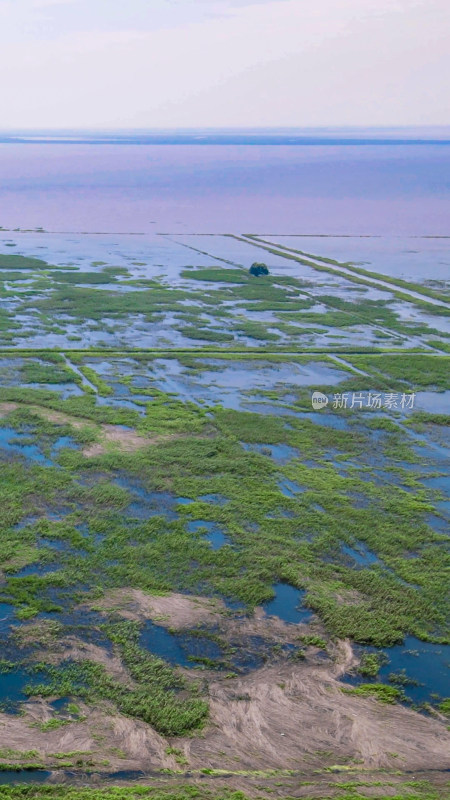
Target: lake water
{"type": "Point", "coordinates": [325, 186]}
{"type": "Point", "coordinates": [425, 664]}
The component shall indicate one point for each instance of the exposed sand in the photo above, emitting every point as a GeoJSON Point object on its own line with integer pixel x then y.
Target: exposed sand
{"type": "Point", "coordinates": [109, 435]}
{"type": "Point", "coordinates": [287, 715]}
{"type": "Point", "coordinates": [124, 440]}
{"type": "Point", "coordinates": [125, 743]}
{"type": "Point", "coordinates": [283, 716]}
{"type": "Point", "coordinates": [172, 610]}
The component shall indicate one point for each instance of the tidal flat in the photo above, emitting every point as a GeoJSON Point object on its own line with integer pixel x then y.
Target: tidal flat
{"type": "Point", "coordinates": [208, 587]}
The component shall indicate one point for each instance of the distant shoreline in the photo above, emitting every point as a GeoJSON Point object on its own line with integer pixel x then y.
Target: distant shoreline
{"type": "Point", "coordinates": [243, 136]}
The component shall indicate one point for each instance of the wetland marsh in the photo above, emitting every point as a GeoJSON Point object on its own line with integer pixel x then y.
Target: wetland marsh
{"type": "Point", "coordinates": [195, 562]}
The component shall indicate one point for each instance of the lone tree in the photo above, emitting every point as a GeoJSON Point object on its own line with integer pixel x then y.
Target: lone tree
{"type": "Point", "coordinates": [258, 269]}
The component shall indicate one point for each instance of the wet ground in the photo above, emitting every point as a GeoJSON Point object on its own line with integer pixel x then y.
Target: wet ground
{"type": "Point", "coordinates": [61, 274]}
{"type": "Point", "coordinates": [420, 669]}
{"type": "Point", "coordinates": [250, 495]}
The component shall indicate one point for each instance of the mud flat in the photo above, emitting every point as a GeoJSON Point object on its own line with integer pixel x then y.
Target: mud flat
{"type": "Point", "coordinates": [207, 586]}
{"type": "Point", "coordinates": [293, 721]}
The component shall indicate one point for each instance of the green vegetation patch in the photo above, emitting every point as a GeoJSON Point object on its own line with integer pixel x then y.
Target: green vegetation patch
{"type": "Point", "coordinates": [14, 261]}
{"type": "Point", "coordinates": [216, 275]}
{"type": "Point", "coordinates": [383, 693]}
{"type": "Point", "coordinates": [154, 696]}
{"type": "Point", "coordinates": [34, 372]}
{"type": "Point", "coordinates": [417, 369]}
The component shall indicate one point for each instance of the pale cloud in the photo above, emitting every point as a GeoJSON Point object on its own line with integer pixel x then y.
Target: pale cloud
{"type": "Point", "coordinates": [279, 62]}
{"type": "Point", "coordinates": [18, 7]}
{"type": "Point", "coordinates": [48, 3]}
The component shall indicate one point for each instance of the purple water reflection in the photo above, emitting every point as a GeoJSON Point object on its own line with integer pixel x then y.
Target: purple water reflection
{"type": "Point", "coordinates": [378, 189]}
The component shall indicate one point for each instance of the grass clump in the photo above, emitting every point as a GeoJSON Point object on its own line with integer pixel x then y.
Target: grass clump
{"type": "Point", "coordinates": [383, 693]}
{"type": "Point", "coordinates": [371, 664]}
{"type": "Point", "coordinates": [154, 697]}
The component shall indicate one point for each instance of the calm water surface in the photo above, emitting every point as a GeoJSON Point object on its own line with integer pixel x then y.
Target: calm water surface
{"type": "Point", "coordinates": [328, 188]}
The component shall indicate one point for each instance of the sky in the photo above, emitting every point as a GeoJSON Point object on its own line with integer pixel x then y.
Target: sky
{"type": "Point", "coordinates": [223, 63]}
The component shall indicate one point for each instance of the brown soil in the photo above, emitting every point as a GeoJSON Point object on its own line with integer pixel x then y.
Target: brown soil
{"type": "Point", "coordinates": [72, 649]}
{"type": "Point", "coordinates": [181, 612]}
{"type": "Point", "coordinates": [171, 610]}
{"type": "Point", "coordinates": [128, 441]}
{"type": "Point", "coordinates": [286, 716]}
{"type": "Point", "coordinates": [100, 736]}
{"type": "Point", "coordinates": [110, 435]}
{"type": "Point", "coordinates": [282, 717]}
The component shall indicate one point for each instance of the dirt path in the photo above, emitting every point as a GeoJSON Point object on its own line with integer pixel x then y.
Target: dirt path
{"type": "Point", "coordinates": [85, 381]}
{"type": "Point", "coordinates": [341, 269]}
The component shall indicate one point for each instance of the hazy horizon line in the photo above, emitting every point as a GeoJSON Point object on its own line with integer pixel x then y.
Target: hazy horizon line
{"type": "Point", "coordinates": [308, 136]}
